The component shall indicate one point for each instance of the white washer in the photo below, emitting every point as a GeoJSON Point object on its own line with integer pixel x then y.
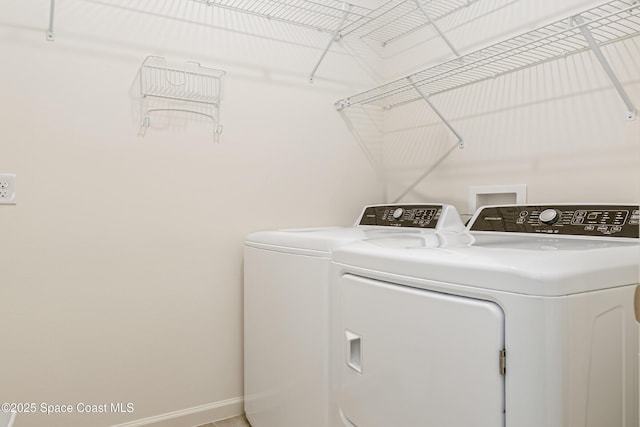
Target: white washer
{"type": "Point", "coordinates": [286, 309]}
{"type": "Point", "coordinates": [529, 319]}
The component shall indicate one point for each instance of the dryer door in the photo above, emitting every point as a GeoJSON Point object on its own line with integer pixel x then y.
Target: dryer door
{"type": "Point", "coordinates": [413, 357]}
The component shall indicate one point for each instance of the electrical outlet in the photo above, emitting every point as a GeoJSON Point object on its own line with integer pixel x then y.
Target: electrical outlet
{"type": "Point", "coordinates": [7, 189]}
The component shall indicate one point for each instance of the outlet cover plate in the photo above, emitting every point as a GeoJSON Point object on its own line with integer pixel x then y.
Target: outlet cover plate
{"type": "Point", "coordinates": [7, 189]}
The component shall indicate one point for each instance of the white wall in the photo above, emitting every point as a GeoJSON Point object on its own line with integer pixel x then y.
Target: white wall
{"type": "Point", "coordinates": [559, 127]}
{"type": "Point", "coordinates": [121, 264]}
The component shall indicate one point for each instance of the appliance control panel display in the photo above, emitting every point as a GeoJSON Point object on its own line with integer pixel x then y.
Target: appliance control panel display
{"type": "Point", "coordinates": [417, 216]}
{"type": "Point", "coordinates": [572, 220]}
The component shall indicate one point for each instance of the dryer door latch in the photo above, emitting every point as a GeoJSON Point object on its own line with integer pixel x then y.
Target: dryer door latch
{"type": "Point", "coordinates": [503, 362]}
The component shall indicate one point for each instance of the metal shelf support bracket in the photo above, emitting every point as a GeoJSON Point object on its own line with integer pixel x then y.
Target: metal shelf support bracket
{"type": "Point", "coordinates": [444, 156]}
{"type": "Point", "coordinates": [438, 113]}
{"type": "Point", "coordinates": [50, 35]}
{"type": "Point", "coordinates": [631, 109]}
{"type": "Point", "coordinates": [346, 7]}
{"type": "Point", "coordinates": [436, 27]}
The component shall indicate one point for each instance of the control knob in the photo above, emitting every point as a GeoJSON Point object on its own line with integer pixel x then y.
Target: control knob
{"type": "Point", "coordinates": [549, 216]}
{"type": "Point", "coordinates": [397, 214]}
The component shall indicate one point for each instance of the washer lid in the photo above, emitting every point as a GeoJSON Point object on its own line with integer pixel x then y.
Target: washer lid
{"type": "Point", "coordinates": [543, 266]}
{"type": "Point", "coordinates": [374, 221]}
{"type": "Point", "coordinates": [318, 241]}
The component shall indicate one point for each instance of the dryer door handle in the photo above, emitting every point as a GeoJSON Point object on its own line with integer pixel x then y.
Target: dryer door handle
{"type": "Point", "coordinates": [354, 351]}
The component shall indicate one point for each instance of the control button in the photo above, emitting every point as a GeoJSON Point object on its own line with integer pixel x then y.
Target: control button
{"type": "Point", "coordinates": [578, 221]}
{"type": "Point", "coordinates": [589, 228]}
{"type": "Point", "coordinates": [397, 214]}
{"type": "Point", "coordinates": [549, 216]}
{"type": "Point", "coordinates": [581, 213]}
{"type": "Point", "coordinates": [603, 228]}
{"type": "Point", "coordinates": [524, 213]}
{"type": "Point", "coordinates": [616, 229]}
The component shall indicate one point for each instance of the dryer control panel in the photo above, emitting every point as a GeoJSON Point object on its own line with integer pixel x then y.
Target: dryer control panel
{"type": "Point", "coordinates": [417, 216]}
{"type": "Point", "coordinates": [572, 220]}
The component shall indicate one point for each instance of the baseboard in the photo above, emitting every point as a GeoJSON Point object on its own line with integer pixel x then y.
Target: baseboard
{"type": "Point", "coordinates": [192, 416]}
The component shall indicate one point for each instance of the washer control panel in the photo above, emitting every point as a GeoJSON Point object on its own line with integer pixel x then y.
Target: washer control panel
{"type": "Point", "coordinates": [416, 216]}
{"type": "Point", "coordinates": [572, 220]}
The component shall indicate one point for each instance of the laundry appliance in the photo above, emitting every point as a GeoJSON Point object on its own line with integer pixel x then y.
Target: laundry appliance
{"type": "Point", "coordinates": [286, 309]}
{"type": "Point", "coordinates": [528, 319]}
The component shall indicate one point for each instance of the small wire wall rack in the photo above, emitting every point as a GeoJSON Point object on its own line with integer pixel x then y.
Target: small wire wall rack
{"type": "Point", "coordinates": [608, 23]}
{"type": "Point", "coordinates": [193, 89]}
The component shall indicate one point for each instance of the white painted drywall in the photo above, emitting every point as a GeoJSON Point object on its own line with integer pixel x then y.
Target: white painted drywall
{"type": "Point", "coordinates": [121, 265]}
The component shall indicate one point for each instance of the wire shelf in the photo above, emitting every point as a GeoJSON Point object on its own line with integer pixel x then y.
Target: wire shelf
{"type": "Point", "coordinates": [193, 89]}
{"type": "Point", "coordinates": [323, 15]}
{"type": "Point", "coordinates": [610, 22]}
{"type": "Point", "coordinates": [397, 18]}
{"type": "Point", "coordinates": [390, 21]}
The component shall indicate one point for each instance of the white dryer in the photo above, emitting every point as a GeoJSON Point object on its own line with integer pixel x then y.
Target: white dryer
{"type": "Point", "coordinates": [530, 319]}
{"type": "Point", "coordinates": [286, 309]}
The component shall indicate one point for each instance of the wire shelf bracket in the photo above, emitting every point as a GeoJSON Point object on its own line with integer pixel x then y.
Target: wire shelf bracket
{"type": "Point", "coordinates": [586, 33]}
{"type": "Point", "coordinates": [195, 89]}
{"type": "Point", "coordinates": [436, 27]}
{"type": "Point", "coordinates": [50, 34]}
{"type": "Point", "coordinates": [336, 35]}
{"type": "Point", "coordinates": [425, 174]}
{"type": "Point", "coordinates": [446, 154]}
{"type": "Point", "coordinates": [438, 113]}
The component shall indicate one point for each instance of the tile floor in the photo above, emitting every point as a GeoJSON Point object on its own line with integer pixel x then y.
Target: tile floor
{"type": "Point", "coordinates": [239, 421]}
